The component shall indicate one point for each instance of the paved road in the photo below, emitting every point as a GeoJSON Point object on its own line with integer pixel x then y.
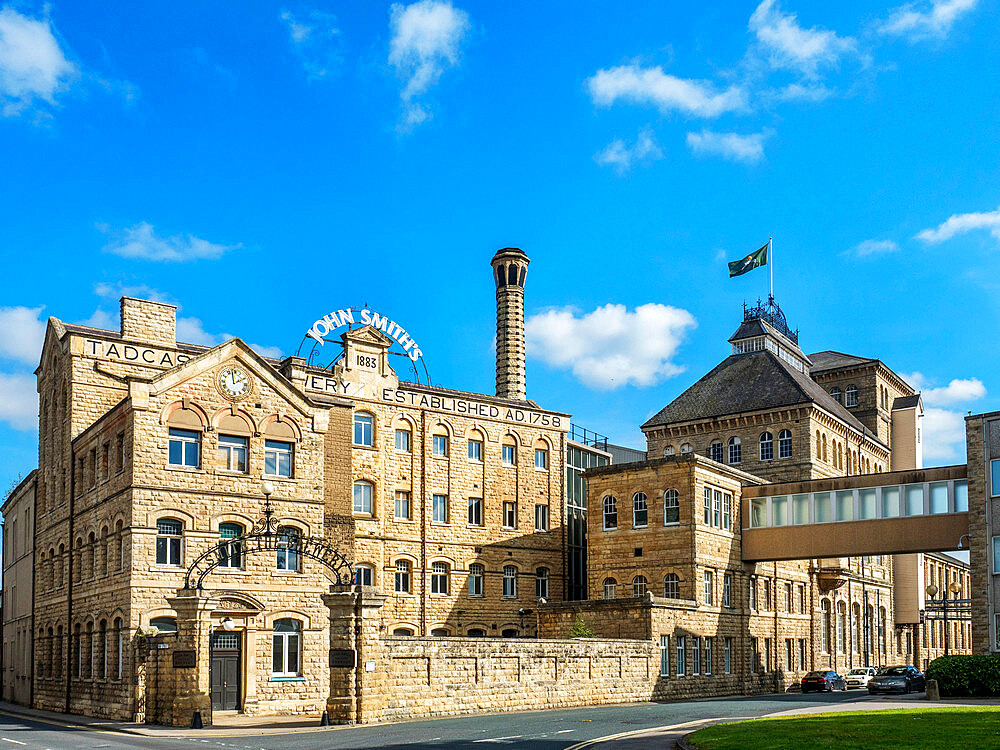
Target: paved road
{"type": "Point", "coordinates": [537, 730]}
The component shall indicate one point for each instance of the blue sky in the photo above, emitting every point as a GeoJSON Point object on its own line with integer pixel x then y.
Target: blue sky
{"type": "Point", "coordinates": [261, 164]}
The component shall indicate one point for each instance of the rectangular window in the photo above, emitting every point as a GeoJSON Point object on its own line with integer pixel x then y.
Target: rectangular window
{"type": "Point", "coordinates": [802, 654]}
{"type": "Point", "coordinates": [120, 451]}
{"type": "Point", "coordinates": [364, 498]}
{"type": "Point", "coordinates": [996, 555]}
{"type": "Point", "coordinates": [509, 582]}
{"type": "Point", "coordinates": [439, 578]}
{"type": "Point", "coordinates": [727, 589]}
{"type": "Point", "coordinates": [767, 594]}
{"type": "Point", "coordinates": [717, 509]}
{"type": "Point", "coordinates": [789, 601]}
{"type": "Point", "coordinates": [664, 656]}
{"type": "Point", "coordinates": [509, 514]}
{"type": "Point", "coordinates": [541, 518]}
{"type": "Point", "coordinates": [168, 542]}
{"type": "Point", "coordinates": [708, 506]}
{"type": "Point", "coordinates": [541, 458]}
{"type": "Point", "coordinates": [802, 598]}
{"type": "Point", "coordinates": [106, 461]}
{"type": "Point", "coordinates": [754, 655]}
{"type": "Point", "coordinates": [767, 654]}
{"type": "Point", "coordinates": [364, 575]}
{"type": "Point", "coordinates": [277, 458]}
{"type": "Point", "coordinates": [404, 439]}
{"type": "Point", "coordinates": [403, 507]}
{"type": "Point", "coordinates": [364, 429]}
{"type": "Point", "coordinates": [476, 575]}
{"type": "Point", "coordinates": [695, 655]}
{"type": "Point", "coordinates": [708, 656]}
{"type": "Point", "coordinates": [508, 455]}
{"type": "Point", "coordinates": [788, 654]}
{"type": "Point", "coordinates": [184, 448]}
{"type": "Point", "coordinates": [727, 511]}
{"type": "Point", "coordinates": [233, 453]}
{"type": "Point", "coordinates": [681, 655]}
{"type": "Point", "coordinates": [285, 657]}
{"type": "Point", "coordinates": [727, 656]}
{"type": "Point", "coordinates": [753, 594]}
{"type": "Point", "coordinates": [439, 445]}
{"type": "Point", "coordinates": [708, 587]}
{"type": "Point", "coordinates": [439, 507]}
{"type": "Point", "coordinates": [401, 581]}
{"type": "Point", "coordinates": [475, 450]}
{"type": "Point", "coordinates": [995, 477]}
{"type": "Point", "coordinates": [475, 511]}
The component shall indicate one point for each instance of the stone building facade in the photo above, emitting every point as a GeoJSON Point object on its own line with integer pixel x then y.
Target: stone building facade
{"type": "Point", "coordinates": [18, 511]}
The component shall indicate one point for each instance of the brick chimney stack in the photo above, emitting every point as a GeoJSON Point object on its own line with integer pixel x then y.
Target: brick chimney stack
{"type": "Point", "coordinates": [510, 266]}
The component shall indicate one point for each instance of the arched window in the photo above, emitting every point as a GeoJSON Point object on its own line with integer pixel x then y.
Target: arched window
{"type": "Point", "coordinates": [735, 451]}
{"type": "Point", "coordinates": [766, 446]}
{"type": "Point", "coordinates": [439, 578]}
{"type": "Point", "coordinates": [610, 588]}
{"type": "Point", "coordinates": [364, 575]}
{"type": "Point", "coordinates": [364, 493]}
{"type": "Point", "coordinates": [824, 449]}
{"type": "Point", "coordinates": [476, 633]}
{"type": "Point", "coordinates": [881, 630]}
{"type": "Point", "coordinates": [77, 655]}
{"type": "Point", "coordinates": [639, 585]}
{"type": "Point", "coordinates": [232, 550]}
{"type": "Point", "coordinates": [168, 541]}
{"type": "Point", "coordinates": [715, 451]}
{"type": "Point", "coordinates": [669, 450]}
{"type": "Point", "coordinates": [671, 507]}
{"type": "Point", "coordinates": [164, 624]}
{"type": "Point", "coordinates": [287, 648]}
{"type": "Point", "coordinates": [686, 448]}
{"type": "Point", "coordinates": [541, 583]}
{"type": "Point", "coordinates": [477, 573]}
{"type": "Point", "coordinates": [402, 577]}
{"type": "Point", "coordinates": [91, 555]}
{"type": "Point", "coordinates": [819, 447]}
{"type": "Point", "coordinates": [640, 516]}
{"type": "Point", "coordinates": [835, 394]}
{"type": "Point", "coordinates": [825, 627]}
{"type": "Point", "coordinates": [402, 631]}
{"type": "Point", "coordinates": [287, 554]}
{"type": "Point", "coordinates": [440, 632]}
{"type": "Point", "coordinates": [509, 582]}
{"type": "Point", "coordinates": [841, 627]}
{"type": "Point", "coordinates": [851, 396]}
{"type": "Point", "coordinates": [120, 533]}
{"type": "Point", "coordinates": [856, 630]}
{"type": "Point", "coordinates": [785, 444]}
{"type": "Point", "coordinates": [610, 512]}
{"type": "Point", "coordinates": [671, 586]}
{"type": "Point", "coordinates": [364, 429]}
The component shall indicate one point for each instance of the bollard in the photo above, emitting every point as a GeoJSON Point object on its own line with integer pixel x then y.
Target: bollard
{"type": "Point", "coordinates": [324, 720]}
{"type": "Point", "coordinates": [932, 690]}
{"type": "Point", "coordinates": [196, 720]}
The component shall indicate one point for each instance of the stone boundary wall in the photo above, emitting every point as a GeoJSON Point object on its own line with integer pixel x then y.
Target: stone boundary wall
{"type": "Point", "coordinates": [426, 677]}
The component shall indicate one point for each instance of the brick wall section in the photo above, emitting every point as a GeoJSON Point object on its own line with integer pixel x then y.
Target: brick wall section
{"type": "Point", "coordinates": [979, 507]}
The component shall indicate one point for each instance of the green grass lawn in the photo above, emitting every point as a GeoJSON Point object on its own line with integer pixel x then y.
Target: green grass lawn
{"type": "Point", "coordinates": [911, 729]}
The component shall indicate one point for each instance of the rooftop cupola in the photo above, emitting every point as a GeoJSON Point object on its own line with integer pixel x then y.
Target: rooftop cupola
{"type": "Point", "coordinates": [764, 327]}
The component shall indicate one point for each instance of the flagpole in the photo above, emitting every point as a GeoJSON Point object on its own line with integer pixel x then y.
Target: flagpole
{"type": "Point", "coordinates": [770, 266]}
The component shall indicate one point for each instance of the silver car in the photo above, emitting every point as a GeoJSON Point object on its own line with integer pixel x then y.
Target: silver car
{"type": "Point", "coordinates": [860, 677]}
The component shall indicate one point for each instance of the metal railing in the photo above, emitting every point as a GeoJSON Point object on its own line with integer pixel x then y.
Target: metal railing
{"type": "Point", "coordinates": [588, 437]}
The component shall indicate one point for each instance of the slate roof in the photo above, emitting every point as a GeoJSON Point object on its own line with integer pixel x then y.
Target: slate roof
{"type": "Point", "coordinates": [831, 360]}
{"type": "Point", "coordinates": [906, 402]}
{"type": "Point", "coordinates": [751, 382]}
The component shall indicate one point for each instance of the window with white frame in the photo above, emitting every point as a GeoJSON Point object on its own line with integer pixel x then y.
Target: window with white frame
{"type": "Point", "coordinates": [509, 514]}
{"type": "Point", "coordinates": [610, 588]}
{"type": "Point", "coordinates": [508, 455]}
{"type": "Point", "coordinates": [509, 582]}
{"type": "Point", "coordinates": [715, 451]}
{"type": "Point", "coordinates": [671, 508]}
{"type": "Point", "coordinates": [439, 508]}
{"type": "Point", "coordinates": [664, 656]}
{"type": "Point", "coordinates": [639, 586]}
{"type": "Point", "coordinates": [364, 429]}
{"type": "Point", "coordinates": [789, 599]}
{"type": "Point", "coordinates": [541, 458]}
{"type": "Point", "coordinates": [439, 445]}
{"type": "Point", "coordinates": [288, 551]}
{"type": "Point", "coordinates": [672, 586]}
{"type": "Point", "coordinates": [735, 451]}
{"type": "Point", "coordinates": [401, 579]}
{"type": "Point", "coordinates": [404, 507]}
{"type": "Point", "coordinates": [727, 508]}
{"type": "Point", "coordinates": [364, 575]}
{"type": "Point", "coordinates": [717, 508]}
{"type": "Point", "coordinates": [708, 506]}
{"type": "Point", "coordinates": [475, 450]}
{"type": "Point", "coordinates": [541, 517]}
{"type": "Point", "coordinates": [681, 655]}
{"type": "Point", "coordinates": [851, 396]}
{"type": "Point", "coordinates": [835, 394]}
{"type": "Point", "coordinates": [364, 498]}
{"type": "Point", "coordinates": [709, 588]}
{"type": "Point", "coordinates": [233, 453]}
{"type": "Point", "coordinates": [686, 448]}
{"type": "Point", "coordinates": [727, 656]}
{"type": "Point", "coordinates": [995, 477]}
{"type": "Point", "coordinates": [477, 573]}
{"type": "Point", "coordinates": [610, 512]}
{"type": "Point", "coordinates": [475, 511]}
{"type": "Point", "coordinates": [785, 444]}
{"type": "Point", "coordinates": [695, 654]}
{"type": "Point", "coordinates": [184, 448]}
{"type": "Point", "coordinates": [707, 652]}
{"type": "Point", "coordinates": [542, 583]}
{"type": "Point", "coordinates": [727, 589]}
{"type": "Point", "coordinates": [996, 555]}
{"type": "Point", "coordinates": [286, 644]}
{"type": "Point", "coordinates": [439, 578]}
{"type": "Point", "coordinates": [404, 441]}
{"type": "Point", "coordinates": [277, 458]}
{"type": "Point", "coordinates": [640, 515]}
{"type": "Point", "coordinates": [168, 541]}
{"type": "Point", "coordinates": [231, 554]}
{"type": "Point", "coordinates": [766, 446]}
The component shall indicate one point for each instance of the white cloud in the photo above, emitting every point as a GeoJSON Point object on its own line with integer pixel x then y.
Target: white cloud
{"type": "Point", "coordinates": [22, 332]}
{"type": "Point", "coordinates": [426, 37]}
{"type": "Point", "coordinates": [944, 429]}
{"type": "Point", "coordinates": [623, 156]}
{"type": "Point", "coordinates": [957, 391]}
{"type": "Point", "coordinates": [789, 46]}
{"type": "Point", "coordinates": [102, 319]}
{"type": "Point", "coordinates": [141, 242]}
{"type": "Point", "coordinates": [918, 21]}
{"type": "Point", "coordinates": [117, 290]}
{"type": "Point", "coordinates": [192, 331]}
{"type": "Point", "coordinates": [315, 39]}
{"type": "Point", "coordinates": [813, 92]}
{"type": "Point", "coordinates": [19, 401]}
{"type": "Point", "coordinates": [651, 86]}
{"type": "Point", "coordinates": [33, 67]}
{"type": "Point", "coordinates": [962, 223]}
{"type": "Point", "coordinates": [611, 346]}
{"type": "Point", "coordinates": [746, 148]}
{"type": "Point", "coordinates": [874, 247]}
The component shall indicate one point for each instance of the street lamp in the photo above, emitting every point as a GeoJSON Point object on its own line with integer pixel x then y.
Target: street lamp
{"type": "Point", "coordinates": [228, 625]}
{"type": "Point", "coordinates": [955, 588]}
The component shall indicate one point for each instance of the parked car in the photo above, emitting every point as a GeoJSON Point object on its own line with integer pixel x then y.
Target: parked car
{"type": "Point", "coordinates": [823, 682]}
{"type": "Point", "coordinates": [897, 680]}
{"type": "Point", "coordinates": [860, 677]}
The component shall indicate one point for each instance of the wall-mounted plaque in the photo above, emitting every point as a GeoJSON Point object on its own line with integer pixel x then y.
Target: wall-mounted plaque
{"type": "Point", "coordinates": [343, 658]}
{"type": "Point", "coordinates": [184, 659]}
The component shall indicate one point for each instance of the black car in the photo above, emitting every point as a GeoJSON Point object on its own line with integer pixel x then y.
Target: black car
{"type": "Point", "coordinates": [823, 682]}
{"type": "Point", "coordinates": [897, 680]}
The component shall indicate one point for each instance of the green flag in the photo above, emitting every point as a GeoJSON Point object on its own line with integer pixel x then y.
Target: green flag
{"type": "Point", "coordinates": [753, 260]}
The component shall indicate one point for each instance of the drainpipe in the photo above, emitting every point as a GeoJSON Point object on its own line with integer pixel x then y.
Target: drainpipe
{"type": "Point", "coordinates": [34, 585]}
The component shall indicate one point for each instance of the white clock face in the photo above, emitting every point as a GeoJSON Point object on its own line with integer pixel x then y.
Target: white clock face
{"type": "Point", "coordinates": [234, 383]}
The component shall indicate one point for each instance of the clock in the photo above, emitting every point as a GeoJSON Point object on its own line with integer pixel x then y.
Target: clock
{"type": "Point", "coordinates": [234, 383]}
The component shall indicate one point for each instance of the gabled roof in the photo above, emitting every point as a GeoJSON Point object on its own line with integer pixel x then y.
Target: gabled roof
{"type": "Point", "coordinates": [831, 360]}
{"type": "Point", "coordinates": [906, 402]}
{"type": "Point", "coordinates": [751, 382]}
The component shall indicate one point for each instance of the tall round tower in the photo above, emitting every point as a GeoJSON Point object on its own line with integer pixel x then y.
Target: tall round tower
{"type": "Point", "coordinates": [510, 266]}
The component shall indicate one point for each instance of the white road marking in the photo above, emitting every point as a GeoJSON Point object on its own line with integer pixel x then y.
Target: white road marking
{"type": "Point", "coordinates": [501, 739]}
{"type": "Point", "coordinates": [16, 742]}
{"type": "Point", "coordinates": [563, 731]}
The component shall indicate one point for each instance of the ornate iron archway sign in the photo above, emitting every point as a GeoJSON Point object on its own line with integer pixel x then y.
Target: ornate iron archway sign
{"type": "Point", "coordinates": [264, 537]}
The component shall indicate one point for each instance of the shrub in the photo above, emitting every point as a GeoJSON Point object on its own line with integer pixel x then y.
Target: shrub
{"type": "Point", "coordinates": [976, 674]}
{"type": "Point", "coordinates": [581, 629]}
